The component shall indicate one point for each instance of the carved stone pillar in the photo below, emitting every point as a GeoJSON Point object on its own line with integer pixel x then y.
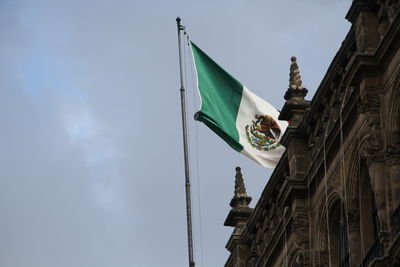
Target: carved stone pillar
{"type": "Point", "coordinates": [301, 231]}
{"type": "Point", "coordinates": [392, 154]}
{"type": "Point", "coordinates": [372, 148]}
{"type": "Point", "coordinates": [354, 236]}
{"type": "Point", "coordinates": [372, 151]}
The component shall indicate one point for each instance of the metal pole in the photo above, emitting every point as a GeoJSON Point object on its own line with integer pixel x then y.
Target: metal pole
{"type": "Point", "coordinates": [185, 151]}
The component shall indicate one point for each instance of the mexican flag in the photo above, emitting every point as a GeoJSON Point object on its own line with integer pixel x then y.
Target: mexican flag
{"type": "Point", "coordinates": [246, 122]}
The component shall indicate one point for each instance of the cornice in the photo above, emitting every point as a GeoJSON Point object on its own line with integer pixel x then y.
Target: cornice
{"type": "Point", "coordinates": [370, 63]}
{"type": "Point", "coordinates": [357, 7]}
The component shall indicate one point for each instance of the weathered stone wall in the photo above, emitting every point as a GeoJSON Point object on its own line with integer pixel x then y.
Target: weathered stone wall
{"type": "Point", "coordinates": [333, 199]}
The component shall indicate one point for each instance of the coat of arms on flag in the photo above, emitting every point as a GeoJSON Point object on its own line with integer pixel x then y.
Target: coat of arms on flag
{"type": "Point", "coordinates": [264, 133]}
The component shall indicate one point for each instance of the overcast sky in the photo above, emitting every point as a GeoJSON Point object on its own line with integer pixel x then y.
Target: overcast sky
{"type": "Point", "coordinates": [91, 164]}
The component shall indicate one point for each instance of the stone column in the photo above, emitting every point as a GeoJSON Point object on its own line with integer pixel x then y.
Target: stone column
{"type": "Point", "coordinates": [354, 236]}
{"type": "Point", "coordinates": [372, 148]}
{"type": "Point", "coordinates": [372, 151]}
{"type": "Point", "coordinates": [393, 160]}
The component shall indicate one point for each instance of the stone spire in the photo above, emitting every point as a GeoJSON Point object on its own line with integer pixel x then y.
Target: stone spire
{"type": "Point", "coordinates": [240, 211]}
{"type": "Point", "coordinates": [296, 88]}
{"type": "Point", "coordinates": [295, 78]}
{"type": "Point", "coordinates": [295, 104]}
{"type": "Point", "coordinates": [240, 197]}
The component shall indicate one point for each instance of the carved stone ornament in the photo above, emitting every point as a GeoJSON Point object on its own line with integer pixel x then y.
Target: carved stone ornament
{"type": "Point", "coordinates": [240, 212]}
{"type": "Point", "coordinates": [292, 93]}
{"type": "Point", "coordinates": [369, 102]}
{"type": "Point", "coordinates": [240, 197]}
{"type": "Point", "coordinates": [296, 89]}
{"type": "Point", "coordinates": [366, 29]}
{"type": "Point", "coordinates": [294, 76]}
{"type": "Point", "coordinates": [371, 145]}
{"type": "Point", "coordinates": [388, 8]}
{"type": "Point", "coordinates": [299, 261]}
{"type": "Point", "coordinates": [301, 228]}
{"type": "Point", "coordinates": [360, 35]}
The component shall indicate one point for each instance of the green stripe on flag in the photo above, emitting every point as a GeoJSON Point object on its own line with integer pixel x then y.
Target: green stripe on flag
{"type": "Point", "coordinates": [220, 95]}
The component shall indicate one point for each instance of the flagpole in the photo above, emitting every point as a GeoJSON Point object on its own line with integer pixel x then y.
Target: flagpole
{"type": "Point", "coordinates": [185, 150]}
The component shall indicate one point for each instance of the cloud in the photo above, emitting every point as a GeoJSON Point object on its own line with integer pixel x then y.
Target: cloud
{"type": "Point", "coordinates": [91, 149]}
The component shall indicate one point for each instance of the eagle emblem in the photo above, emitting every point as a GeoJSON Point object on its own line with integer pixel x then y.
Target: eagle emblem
{"type": "Point", "coordinates": [263, 133]}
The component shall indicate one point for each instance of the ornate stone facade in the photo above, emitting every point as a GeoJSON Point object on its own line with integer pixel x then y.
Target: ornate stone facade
{"type": "Point", "coordinates": [334, 198]}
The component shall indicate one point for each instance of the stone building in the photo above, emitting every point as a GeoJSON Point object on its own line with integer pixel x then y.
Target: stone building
{"type": "Point", "coordinates": [333, 199]}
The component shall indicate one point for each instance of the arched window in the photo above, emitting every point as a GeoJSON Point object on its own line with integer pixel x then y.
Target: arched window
{"type": "Point", "coordinates": [369, 219]}
{"type": "Point", "coordinates": [344, 244]}
{"type": "Point", "coordinates": [339, 242]}
{"type": "Point", "coordinates": [375, 217]}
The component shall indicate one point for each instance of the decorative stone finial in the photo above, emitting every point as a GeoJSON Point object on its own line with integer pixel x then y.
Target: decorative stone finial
{"type": "Point", "coordinates": [295, 78]}
{"type": "Point", "coordinates": [240, 197]}
{"type": "Point", "coordinates": [295, 104]}
{"type": "Point", "coordinates": [240, 189]}
{"type": "Point", "coordinates": [240, 211]}
{"type": "Point", "coordinates": [296, 89]}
